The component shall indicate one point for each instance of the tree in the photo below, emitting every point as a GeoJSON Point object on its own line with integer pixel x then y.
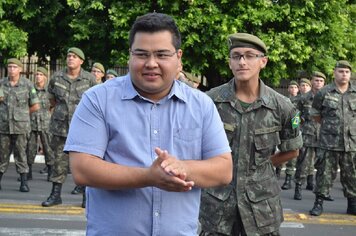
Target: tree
{"type": "Point", "coordinates": [301, 35]}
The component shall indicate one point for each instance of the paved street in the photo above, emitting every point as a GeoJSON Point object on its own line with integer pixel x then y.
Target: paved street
{"type": "Point", "coordinates": [22, 213]}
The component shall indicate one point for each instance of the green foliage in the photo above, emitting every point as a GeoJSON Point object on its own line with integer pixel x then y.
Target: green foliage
{"type": "Point", "coordinates": [300, 35]}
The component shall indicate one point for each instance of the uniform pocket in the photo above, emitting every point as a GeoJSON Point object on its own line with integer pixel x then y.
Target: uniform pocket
{"type": "Point", "coordinates": [264, 200]}
{"type": "Point", "coordinates": [265, 142]}
{"type": "Point", "coordinates": [216, 203]}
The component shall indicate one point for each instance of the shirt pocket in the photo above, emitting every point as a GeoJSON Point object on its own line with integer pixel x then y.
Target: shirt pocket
{"type": "Point", "coordinates": [331, 106]}
{"type": "Point", "coordinates": [266, 140]}
{"type": "Point", "coordinates": [187, 143]}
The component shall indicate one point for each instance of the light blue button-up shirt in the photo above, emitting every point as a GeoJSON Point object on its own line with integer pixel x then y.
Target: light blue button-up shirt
{"type": "Point", "coordinates": [115, 123]}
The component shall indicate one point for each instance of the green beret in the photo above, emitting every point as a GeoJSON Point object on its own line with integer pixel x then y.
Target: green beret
{"type": "Point", "coordinates": [42, 70]}
{"type": "Point", "coordinates": [343, 64]}
{"type": "Point", "coordinates": [293, 82]}
{"type": "Point", "coordinates": [99, 66]}
{"type": "Point", "coordinates": [239, 40]}
{"type": "Point", "coordinates": [305, 80]}
{"type": "Point", "coordinates": [112, 72]}
{"type": "Point", "coordinates": [15, 61]}
{"type": "Point", "coordinates": [318, 74]}
{"type": "Point", "coordinates": [77, 52]}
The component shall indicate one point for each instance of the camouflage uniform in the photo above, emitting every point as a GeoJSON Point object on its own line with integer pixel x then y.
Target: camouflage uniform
{"type": "Point", "coordinates": [337, 139]}
{"type": "Point", "coordinates": [67, 94]}
{"type": "Point", "coordinates": [310, 132]}
{"type": "Point", "coordinates": [39, 128]}
{"type": "Point", "coordinates": [252, 198]}
{"type": "Point", "coordinates": [15, 122]}
{"type": "Point", "coordinates": [290, 165]}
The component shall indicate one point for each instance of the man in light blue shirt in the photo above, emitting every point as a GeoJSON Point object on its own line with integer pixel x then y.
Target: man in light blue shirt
{"type": "Point", "coordinates": [146, 144]}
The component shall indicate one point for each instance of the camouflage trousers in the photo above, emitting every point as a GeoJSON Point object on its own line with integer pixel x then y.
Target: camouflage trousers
{"type": "Point", "coordinates": [17, 144]}
{"type": "Point", "coordinates": [290, 165]}
{"type": "Point", "coordinates": [32, 147]}
{"type": "Point", "coordinates": [61, 160]}
{"type": "Point", "coordinates": [326, 164]}
{"type": "Point", "coordinates": [305, 164]}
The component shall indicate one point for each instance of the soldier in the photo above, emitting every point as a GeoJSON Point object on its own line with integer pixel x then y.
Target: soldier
{"type": "Point", "coordinates": [304, 85]}
{"type": "Point", "coordinates": [40, 125]}
{"type": "Point", "coordinates": [335, 108]}
{"type": "Point", "coordinates": [19, 100]}
{"type": "Point", "coordinates": [256, 120]}
{"type": "Point", "coordinates": [110, 74]}
{"type": "Point", "coordinates": [98, 71]}
{"type": "Point", "coordinates": [293, 90]}
{"type": "Point", "coordinates": [310, 131]}
{"type": "Point", "coordinates": [65, 91]}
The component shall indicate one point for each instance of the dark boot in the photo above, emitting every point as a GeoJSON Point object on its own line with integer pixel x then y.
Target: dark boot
{"type": "Point", "coordinates": [287, 183]}
{"type": "Point", "coordinates": [298, 191]}
{"type": "Point", "coordinates": [44, 170]}
{"type": "Point", "coordinates": [49, 171]}
{"type": "Point", "coordinates": [77, 189]}
{"type": "Point", "coordinates": [351, 206]}
{"type": "Point", "coordinates": [1, 174]}
{"type": "Point", "coordinates": [84, 199]}
{"type": "Point", "coordinates": [278, 171]}
{"type": "Point", "coordinates": [23, 186]}
{"type": "Point", "coordinates": [318, 207]}
{"type": "Point", "coordinates": [310, 183]}
{"type": "Point", "coordinates": [29, 174]}
{"type": "Point", "coordinates": [55, 197]}
{"type": "Point", "coordinates": [329, 198]}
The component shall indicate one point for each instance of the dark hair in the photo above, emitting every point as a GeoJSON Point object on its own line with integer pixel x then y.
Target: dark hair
{"type": "Point", "coordinates": [156, 22]}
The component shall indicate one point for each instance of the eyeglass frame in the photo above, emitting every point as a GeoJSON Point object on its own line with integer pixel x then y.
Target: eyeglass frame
{"type": "Point", "coordinates": [145, 55]}
{"type": "Point", "coordinates": [251, 56]}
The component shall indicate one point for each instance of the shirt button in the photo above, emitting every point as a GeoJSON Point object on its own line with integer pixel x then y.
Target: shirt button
{"type": "Point", "coordinates": [155, 131]}
{"type": "Point", "coordinates": [156, 213]}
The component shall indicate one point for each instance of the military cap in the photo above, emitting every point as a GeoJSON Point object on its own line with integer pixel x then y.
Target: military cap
{"type": "Point", "coordinates": [99, 66]}
{"type": "Point", "coordinates": [293, 82]}
{"type": "Point", "coordinates": [15, 61]}
{"type": "Point", "coordinates": [305, 80]}
{"type": "Point", "coordinates": [343, 64]}
{"type": "Point", "coordinates": [42, 70]}
{"type": "Point", "coordinates": [239, 40]}
{"type": "Point", "coordinates": [77, 52]}
{"type": "Point", "coordinates": [112, 72]}
{"type": "Point", "coordinates": [318, 74]}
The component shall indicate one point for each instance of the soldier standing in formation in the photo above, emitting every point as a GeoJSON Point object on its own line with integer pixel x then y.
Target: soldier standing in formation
{"type": "Point", "coordinates": [310, 133]}
{"type": "Point", "coordinates": [334, 106]}
{"type": "Point", "coordinates": [293, 90]}
{"type": "Point", "coordinates": [110, 74]}
{"type": "Point", "coordinates": [99, 72]}
{"type": "Point", "coordinates": [18, 101]}
{"type": "Point", "coordinates": [40, 125]}
{"type": "Point", "coordinates": [65, 91]}
{"type": "Point", "coordinates": [256, 120]}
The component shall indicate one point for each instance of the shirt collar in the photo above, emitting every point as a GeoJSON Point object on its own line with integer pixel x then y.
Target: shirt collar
{"type": "Point", "coordinates": [130, 92]}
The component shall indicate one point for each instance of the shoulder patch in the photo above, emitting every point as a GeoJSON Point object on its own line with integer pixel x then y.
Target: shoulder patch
{"type": "Point", "coordinates": [296, 120]}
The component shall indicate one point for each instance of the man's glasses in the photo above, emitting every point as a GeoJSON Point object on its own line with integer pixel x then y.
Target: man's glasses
{"type": "Point", "coordinates": [158, 55]}
{"type": "Point", "coordinates": [247, 56]}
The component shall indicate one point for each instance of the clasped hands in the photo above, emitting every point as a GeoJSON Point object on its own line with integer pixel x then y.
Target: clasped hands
{"type": "Point", "coordinates": [169, 173]}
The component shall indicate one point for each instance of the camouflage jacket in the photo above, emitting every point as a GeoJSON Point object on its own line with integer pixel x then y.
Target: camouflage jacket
{"type": "Point", "coordinates": [337, 112]}
{"type": "Point", "coordinates": [253, 135]}
{"type": "Point", "coordinates": [310, 128]}
{"type": "Point", "coordinates": [295, 99]}
{"type": "Point", "coordinates": [67, 93]}
{"type": "Point", "coordinates": [40, 119]}
{"type": "Point", "coordinates": [15, 105]}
